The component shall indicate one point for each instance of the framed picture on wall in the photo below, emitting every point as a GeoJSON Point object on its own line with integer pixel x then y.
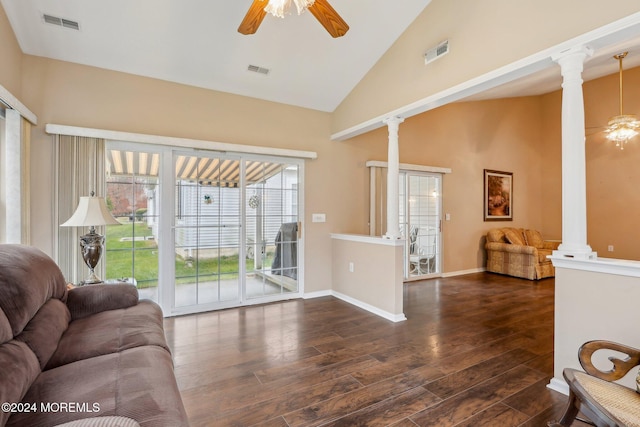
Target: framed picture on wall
{"type": "Point", "coordinates": [498, 195]}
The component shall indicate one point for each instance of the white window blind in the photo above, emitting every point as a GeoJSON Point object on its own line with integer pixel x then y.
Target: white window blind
{"type": "Point", "coordinates": [80, 169]}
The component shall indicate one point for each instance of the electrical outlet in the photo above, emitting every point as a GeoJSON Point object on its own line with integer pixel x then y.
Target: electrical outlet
{"type": "Point", "coordinates": [610, 248]}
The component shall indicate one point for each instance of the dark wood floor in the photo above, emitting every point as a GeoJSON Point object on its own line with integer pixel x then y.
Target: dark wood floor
{"type": "Point", "coordinates": [476, 350]}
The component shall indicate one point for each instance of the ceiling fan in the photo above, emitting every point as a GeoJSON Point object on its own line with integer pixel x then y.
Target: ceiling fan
{"type": "Point", "coordinates": [321, 9]}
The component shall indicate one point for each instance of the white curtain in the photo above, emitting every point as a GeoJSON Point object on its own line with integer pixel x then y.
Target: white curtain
{"type": "Point", "coordinates": [80, 169]}
{"type": "Point", "coordinates": [17, 190]}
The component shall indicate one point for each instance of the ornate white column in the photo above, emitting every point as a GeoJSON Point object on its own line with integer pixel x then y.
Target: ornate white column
{"type": "Point", "coordinates": [393, 178]}
{"type": "Point", "coordinates": [574, 181]}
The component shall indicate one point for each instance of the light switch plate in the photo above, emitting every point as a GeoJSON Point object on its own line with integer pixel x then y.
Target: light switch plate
{"type": "Point", "coordinates": [318, 217]}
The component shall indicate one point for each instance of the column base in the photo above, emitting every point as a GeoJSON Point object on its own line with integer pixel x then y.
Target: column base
{"type": "Point", "coordinates": [583, 253]}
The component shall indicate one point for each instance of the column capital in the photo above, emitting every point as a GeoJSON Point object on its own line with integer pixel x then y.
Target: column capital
{"type": "Point", "coordinates": [393, 120]}
{"type": "Point", "coordinates": [575, 53]}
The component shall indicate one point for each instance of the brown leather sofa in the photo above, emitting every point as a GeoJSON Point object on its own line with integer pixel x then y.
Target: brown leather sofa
{"type": "Point", "coordinates": [520, 253]}
{"type": "Point", "coordinates": [92, 355]}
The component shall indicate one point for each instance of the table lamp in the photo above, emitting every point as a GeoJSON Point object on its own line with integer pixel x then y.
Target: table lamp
{"type": "Point", "coordinates": [91, 211]}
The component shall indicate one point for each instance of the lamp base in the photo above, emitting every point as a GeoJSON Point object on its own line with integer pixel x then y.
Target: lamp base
{"type": "Point", "coordinates": [92, 279]}
{"type": "Point", "coordinates": [91, 245]}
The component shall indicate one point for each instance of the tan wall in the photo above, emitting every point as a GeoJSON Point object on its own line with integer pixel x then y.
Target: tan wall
{"type": "Point", "coordinates": [468, 137]}
{"type": "Point", "coordinates": [376, 279]}
{"type": "Point", "coordinates": [77, 95]}
{"type": "Point", "coordinates": [551, 169]}
{"type": "Point", "coordinates": [483, 36]}
{"type": "Point", "coordinates": [613, 176]}
{"type": "Point", "coordinates": [11, 57]}
{"type": "Point", "coordinates": [581, 315]}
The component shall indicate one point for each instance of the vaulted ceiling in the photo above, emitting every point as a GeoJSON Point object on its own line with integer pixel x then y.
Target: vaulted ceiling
{"type": "Point", "coordinates": [195, 42]}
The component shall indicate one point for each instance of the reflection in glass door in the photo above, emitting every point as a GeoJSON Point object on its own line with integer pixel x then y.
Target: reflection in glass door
{"type": "Point", "coordinates": [420, 213]}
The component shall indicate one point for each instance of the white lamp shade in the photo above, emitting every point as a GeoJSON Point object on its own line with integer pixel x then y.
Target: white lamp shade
{"type": "Point", "coordinates": [90, 211]}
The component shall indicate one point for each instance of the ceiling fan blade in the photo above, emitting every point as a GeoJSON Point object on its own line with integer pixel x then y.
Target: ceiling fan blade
{"type": "Point", "coordinates": [329, 18]}
{"type": "Point", "coordinates": [253, 18]}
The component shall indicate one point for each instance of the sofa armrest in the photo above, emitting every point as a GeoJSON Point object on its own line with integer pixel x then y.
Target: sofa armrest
{"type": "Point", "coordinates": [91, 299]}
{"type": "Point", "coordinates": [551, 244]}
{"type": "Point", "coordinates": [508, 247]}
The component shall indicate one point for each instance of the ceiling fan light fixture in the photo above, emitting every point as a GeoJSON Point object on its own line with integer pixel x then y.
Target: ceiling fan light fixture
{"type": "Point", "coordinates": [280, 8]}
{"type": "Point", "coordinates": [623, 127]}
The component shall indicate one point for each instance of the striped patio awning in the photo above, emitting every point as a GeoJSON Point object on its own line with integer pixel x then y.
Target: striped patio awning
{"type": "Point", "coordinates": [205, 170]}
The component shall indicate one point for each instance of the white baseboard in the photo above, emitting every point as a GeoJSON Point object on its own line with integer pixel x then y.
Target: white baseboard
{"type": "Point", "coordinates": [559, 386]}
{"type": "Point", "coordinates": [375, 310]}
{"type": "Point", "coordinates": [462, 272]}
{"type": "Point", "coordinates": [317, 294]}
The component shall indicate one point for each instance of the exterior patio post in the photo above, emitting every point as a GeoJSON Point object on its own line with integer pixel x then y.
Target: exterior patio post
{"type": "Point", "coordinates": [393, 178]}
{"type": "Point", "coordinates": [574, 182]}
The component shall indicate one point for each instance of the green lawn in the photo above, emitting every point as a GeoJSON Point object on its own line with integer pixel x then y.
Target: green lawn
{"type": "Point", "coordinates": [121, 256]}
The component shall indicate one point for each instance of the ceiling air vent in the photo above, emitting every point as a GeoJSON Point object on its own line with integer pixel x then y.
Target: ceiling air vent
{"type": "Point", "coordinates": [61, 22]}
{"type": "Point", "coordinates": [436, 52]}
{"type": "Point", "coordinates": [259, 70]}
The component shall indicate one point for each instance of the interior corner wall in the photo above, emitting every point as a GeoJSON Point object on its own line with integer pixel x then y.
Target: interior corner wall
{"type": "Point", "coordinates": [468, 137]}
{"type": "Point", "coordinates": [10, 57]}
{"type": "Point", "coordinates": [483, 36]}
{"type": "Point", "coordinates": [77, 95]}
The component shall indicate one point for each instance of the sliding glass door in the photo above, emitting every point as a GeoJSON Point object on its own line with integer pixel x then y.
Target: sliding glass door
{"type": "Point", "coordinates": [201, 230]}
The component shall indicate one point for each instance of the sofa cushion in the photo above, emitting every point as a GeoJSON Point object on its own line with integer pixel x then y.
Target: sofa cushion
{"type": "Point", "coordinates": [534, 238]}
{"type": "Point", "coordinates": [28, 279]}
{"type": "Point", "coordinates": [137, 383]}
{"type": "Point", "coordinates": [109, 332]}
{"type": "Point", "coordinates": [496, 235]}
{"type": "Point", "coordinates": [513, 236]}
{"type": "Point", "coordinates": [43, 332]}
{"type": "Point", "coordinates": [6, 334]}
{"type": "Point", "coordinates": [19, 368]}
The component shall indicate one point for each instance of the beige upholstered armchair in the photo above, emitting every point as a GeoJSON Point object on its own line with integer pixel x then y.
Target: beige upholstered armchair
{"type": "Point", "coordinates": [520, 253]}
